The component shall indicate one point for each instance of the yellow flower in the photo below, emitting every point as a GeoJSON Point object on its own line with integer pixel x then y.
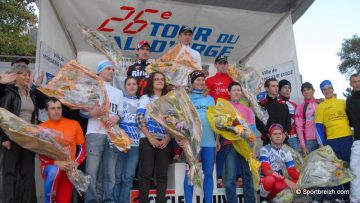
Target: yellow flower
{"type": "Point", "coordinates": [339, 165]}
{"type": "Point", "coordinates": [239, 129]}
{"type": "Point", "coordinates": [339, 173]}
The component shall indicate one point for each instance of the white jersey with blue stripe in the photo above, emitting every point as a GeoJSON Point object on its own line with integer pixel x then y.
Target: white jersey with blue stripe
{"type": "Point", "coordinates": [154, 127]}
{"type": "Point", "coordinates": [278, 158]}
{"type": "Point", "coordinates": [128, 121]}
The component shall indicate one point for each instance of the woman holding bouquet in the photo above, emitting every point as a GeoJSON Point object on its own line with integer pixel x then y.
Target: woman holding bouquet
{"type": "Point", "coordinates": [201, 101]}
{"type": "Point", "coordinates": [231, 157]}
{"type": "Point", "coordinates": [126, 162]}
{"type": "Point", "coordinates": [21, 101]}
{"type": "Point", "coordinates": [154, 148]}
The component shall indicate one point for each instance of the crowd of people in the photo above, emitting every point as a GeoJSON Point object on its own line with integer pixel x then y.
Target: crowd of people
{"type": "Point", "coordinates": [305, 127]}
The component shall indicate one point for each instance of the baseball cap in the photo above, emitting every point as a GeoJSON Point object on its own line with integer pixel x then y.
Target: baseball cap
{"type": "Point", "coordinates": [184, 29]}
{"type": "Point", "coordinates": [142, 43]}
{"type": "Point", "coordinates": [306, 85]}
{"type": "Point", "coordinates": [221, 58]}
{"type": "Point", "coordinates": [102, 65]}
{"type": "Point", "coordinates": [20, 59]}
{"type": "Point", "coordinates": [325, 83]}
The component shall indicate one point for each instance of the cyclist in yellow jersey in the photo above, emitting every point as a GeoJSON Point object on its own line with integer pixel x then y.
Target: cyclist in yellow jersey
{"type": "Point", "coordinates": [331, 119]}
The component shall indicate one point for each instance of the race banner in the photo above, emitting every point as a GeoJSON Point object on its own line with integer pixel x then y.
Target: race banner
{"type": "Point", "coordinates": [216, 30]}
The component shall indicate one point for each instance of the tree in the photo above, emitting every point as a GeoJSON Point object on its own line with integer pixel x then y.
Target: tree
{"type": "Point", "coordinates": [17, 18]}
{"type": "Point", "coordinates": [350, 56]}
{"type": "Point", "coordinates": [350, 59]}
{"type": "Point", "coordinates": [347, 92]}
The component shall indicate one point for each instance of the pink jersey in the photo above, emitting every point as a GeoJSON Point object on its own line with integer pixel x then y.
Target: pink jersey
{"type": "Point", "coordinates": [305, 128]}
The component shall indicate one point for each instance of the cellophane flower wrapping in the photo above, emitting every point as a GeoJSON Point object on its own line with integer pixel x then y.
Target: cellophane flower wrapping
{"type": "Point", "coordinates": [322, 168]}
{"type": "Point", "coordinates": [109, 48]}
{"type": "Point", "coordinates": [298, 159]}
{"type": "Point", "coordinates": [175, 112]}
{"type": "Point", "coordinates": [285, 196]}
{"type": "Point", "coordinates": [79, 88]}
{"type": "Point", "coordinates": [251, 83]}
{"type": "Point", "coordinates": [226, 121]}
{"type": "Point", "coordinates": [176, 64]}
{"type": "Point", "coordinates": [44, 141]}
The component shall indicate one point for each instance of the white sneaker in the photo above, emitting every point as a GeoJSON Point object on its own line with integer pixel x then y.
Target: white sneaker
{"type": "Point", "coordinates": [315, 201]}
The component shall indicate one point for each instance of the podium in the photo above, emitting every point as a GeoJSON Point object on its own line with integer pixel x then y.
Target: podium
{"type": "Point", "coordinates": [175, 188]}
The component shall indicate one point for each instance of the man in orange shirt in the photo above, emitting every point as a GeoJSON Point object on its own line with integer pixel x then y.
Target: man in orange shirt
{"type": "Point", "coordinates": [57, 187]}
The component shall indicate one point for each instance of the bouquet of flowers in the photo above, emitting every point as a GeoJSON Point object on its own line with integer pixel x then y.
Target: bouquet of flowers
{"type": "Point", "coordinates": [108, 47]}
{"type": "Point", "coordinates": [176, 64]}
{"type": "Point", "coordinates": [298, 159]}
{"type": "Point", "coordinates": [175, 112]}
{"type": "Point", "coordinates": [226, 121]}
{"type": "Point", "coordinates": [251, 85]}
{"type": "Point", "coordinates": [285, 196]}
{"type": "Point", "coordinates": [248, 77]}
{"type": "Point", "coordinates": [43, 141]}
{"type": "Point", "coordinates": [322, 168]}
{"type": "Point", "coordinates": [79, 88]}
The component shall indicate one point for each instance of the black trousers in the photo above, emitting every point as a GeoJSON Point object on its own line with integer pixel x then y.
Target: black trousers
{"type": "Point", "coordinates": [153, 159]}
{"type": "Point", "coordinates": [19, 175]}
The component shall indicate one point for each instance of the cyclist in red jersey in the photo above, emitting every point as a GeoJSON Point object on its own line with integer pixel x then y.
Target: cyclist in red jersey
{"type": "Point", "coordinates": [219, 83]}
{"type": "Point", "coordinates": [137, 70]}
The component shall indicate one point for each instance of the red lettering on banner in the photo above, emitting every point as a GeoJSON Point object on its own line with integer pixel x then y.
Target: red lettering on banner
{"type": "Point", "coordinates": [129, 28]}
{"type": "Point", "coordinates": [137, 20]}
{"type": "Point", "coordinates": [126, 8]}
{"type": "Point", "coordinates": [166, 15]}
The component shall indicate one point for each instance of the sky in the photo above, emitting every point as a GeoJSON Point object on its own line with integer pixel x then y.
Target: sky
{"type": "Point", "coordinates": [319, 34]}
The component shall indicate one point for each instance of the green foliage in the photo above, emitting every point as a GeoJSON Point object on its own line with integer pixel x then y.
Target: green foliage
{"type": "Point", "coordinates": [347, 92]}
{"type": "Point", "coordinates": [350, 56]}
{"type": "Point", "coordinates": [17, 18]}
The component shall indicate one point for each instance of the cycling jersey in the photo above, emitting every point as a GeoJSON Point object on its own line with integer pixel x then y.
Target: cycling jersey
{"type": "Point", "coordinates": [275, 160]}
{"type": "Point", "coordinates": [305, 124]}
{"type": "Point", "coordinates": [331, 114]}
{"type": "Point", "coordinates": [292, 109]}
{"type": "Point", "coordinates": [137, 70]}
{"type": "Point", "coordinates": [218, 86]}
